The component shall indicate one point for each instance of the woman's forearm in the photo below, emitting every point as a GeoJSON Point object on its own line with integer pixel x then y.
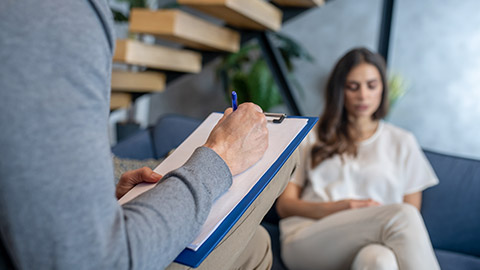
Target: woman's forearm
{"type": "Point", "coordinates": [414, 199]}
{"type": "Point", "coordinates": [288, 207]}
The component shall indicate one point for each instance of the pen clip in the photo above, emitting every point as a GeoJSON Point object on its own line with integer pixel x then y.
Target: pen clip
{"type": "Point", "coordinates": [279, 117]}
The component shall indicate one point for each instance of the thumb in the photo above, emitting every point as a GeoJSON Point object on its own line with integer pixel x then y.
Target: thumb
{"type": "Point", "coordinates": [227, 112]}
{"type": "Point", "coordinates": [154, 177]}
{"type": "Point", "coordinates": [146, 174]}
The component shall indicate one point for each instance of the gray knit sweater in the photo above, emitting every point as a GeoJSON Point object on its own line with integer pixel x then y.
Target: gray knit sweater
{"type": "Point", "coordinates": [57, 203]}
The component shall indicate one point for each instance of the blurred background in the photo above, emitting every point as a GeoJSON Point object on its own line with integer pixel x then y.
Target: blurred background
{"type": "Point", "coordinates": [433, 59]}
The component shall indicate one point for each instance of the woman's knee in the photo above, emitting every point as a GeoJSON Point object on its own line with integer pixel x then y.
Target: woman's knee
{"type": "Point", "coordinates": [406, 212]}
{"type": "Point", "coordinates": [403, 221]}
{"type": "Point", "coordinates": [375, 257]}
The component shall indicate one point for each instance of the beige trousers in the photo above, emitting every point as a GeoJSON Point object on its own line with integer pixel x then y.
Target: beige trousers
{"type": "Point", "coordinates": [380, 237]}
{"type": "Point", "coordinates": [247, 244]}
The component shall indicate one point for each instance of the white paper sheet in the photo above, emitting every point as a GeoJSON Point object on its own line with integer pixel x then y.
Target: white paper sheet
{"type": "Point", "coordinates": [280, 136]}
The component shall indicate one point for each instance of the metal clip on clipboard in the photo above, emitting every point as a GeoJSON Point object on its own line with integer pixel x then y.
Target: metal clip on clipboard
{"type": "Point", "coordinates": [278, 117]}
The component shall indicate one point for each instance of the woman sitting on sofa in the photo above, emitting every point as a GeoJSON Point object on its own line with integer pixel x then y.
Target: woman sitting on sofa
{"type": "Point", "coordinates": [354, 202]}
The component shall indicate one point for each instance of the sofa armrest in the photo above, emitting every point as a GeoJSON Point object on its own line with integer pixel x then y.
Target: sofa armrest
{"type": "Point", "coordinates": [451, 209]}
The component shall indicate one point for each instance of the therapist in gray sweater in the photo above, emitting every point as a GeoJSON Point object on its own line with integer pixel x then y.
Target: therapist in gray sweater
{"type": "Point", "coordinates": [58, 208]}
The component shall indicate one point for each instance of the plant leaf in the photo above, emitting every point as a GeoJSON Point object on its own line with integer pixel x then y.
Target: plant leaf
{"type": "Point", "coordinates": [261, 86]}
{"type": "Point", "coordinates": [119, 16]}
{"type": "Point", "coordinates": [138, 3]}
{"type": "Point", "coordinates": [291, 48]}
{"type": "Point", "coordinates": [239, 84]}
{"type": "Point", "coordinates": [236, 60]}
{"type": "Point", "coordinates": [397, 88]}
{"type": "Point", "coordinates": [171, 5]}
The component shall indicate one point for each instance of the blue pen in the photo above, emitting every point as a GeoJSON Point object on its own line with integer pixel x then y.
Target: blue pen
{"type": "Point", "coordinates": [234, 100]}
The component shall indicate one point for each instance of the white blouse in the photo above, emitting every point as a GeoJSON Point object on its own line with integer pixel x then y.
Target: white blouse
{"type": "Point", "coordinates": [389, 165]}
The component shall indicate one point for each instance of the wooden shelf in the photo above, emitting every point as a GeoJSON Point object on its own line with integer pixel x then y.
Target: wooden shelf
{"type": "Point", "coordinates": [148, 81]}
{"type": "Point", "coordinates": [178, 26]}
{"type": "Point", "coordinates": [154, 56]}
{"type": "Point", "coordinates": [251, 14]}
{"type": "Point", "coordinates": [299, 3]}
{"type": "Point", "coordinates": [120, 100]}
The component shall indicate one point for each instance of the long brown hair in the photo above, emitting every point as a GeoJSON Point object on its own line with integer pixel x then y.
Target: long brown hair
{"type": "Point", "coordinates": [333, 130]}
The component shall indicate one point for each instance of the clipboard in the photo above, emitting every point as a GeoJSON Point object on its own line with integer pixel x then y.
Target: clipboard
{"type": "Point", "coordinates": [210, 236]}
{"type": "Point", "coordinates": [195, 258]}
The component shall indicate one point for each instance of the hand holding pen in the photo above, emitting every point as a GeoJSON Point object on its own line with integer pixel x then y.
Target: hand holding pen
{"type": "Point", "coordinates": [278, 116]}
{"type": "Point", "coordinates": [240, 138]}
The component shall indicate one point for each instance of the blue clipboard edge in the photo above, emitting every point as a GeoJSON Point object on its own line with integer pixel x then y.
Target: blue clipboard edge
{"type": "Point", "coordinates": [195, 258]}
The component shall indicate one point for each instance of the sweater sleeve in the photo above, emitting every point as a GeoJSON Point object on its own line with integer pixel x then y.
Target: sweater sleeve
{"type": "Point", "coordinates": [57, 198]}
{"type": "Point", "coordinates": [178, 205]}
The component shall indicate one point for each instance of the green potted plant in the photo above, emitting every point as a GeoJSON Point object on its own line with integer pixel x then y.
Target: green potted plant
{"type": "Point", "coordinates": [247, 72]}
{"type": "Point", "coordinates": [397, 88]}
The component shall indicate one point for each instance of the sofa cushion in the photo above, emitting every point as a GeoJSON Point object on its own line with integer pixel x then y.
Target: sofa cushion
{"type": "Point", "coordinates": [137, 146]}
{"type": "Point", "coordinates": [275, 238]}
{"type": "Point", "coordinates": [170, 131]}
{"type": "Point", "coordinates": [451, 209]}
{"type": "Point", "coordinates": [453, 261]}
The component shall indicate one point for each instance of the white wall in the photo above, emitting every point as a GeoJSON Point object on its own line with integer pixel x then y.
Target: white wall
{"type": "Point", "coordinates": [436, 46]}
